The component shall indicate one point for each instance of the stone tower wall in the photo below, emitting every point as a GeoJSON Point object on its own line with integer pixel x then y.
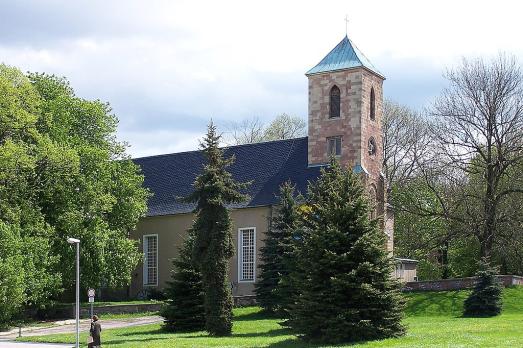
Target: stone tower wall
{"type": "Point", "coordinates": [348, 125]}
{"type": "Point", "coordinates": [355, 127]}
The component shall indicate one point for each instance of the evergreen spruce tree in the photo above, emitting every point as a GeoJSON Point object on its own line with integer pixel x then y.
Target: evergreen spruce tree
{"type": "Point", "coordinates": [485, 300]}
{"type": "Point", "coordinates": [346, 291]}
{"type": "Point", "coordinates": [214, 189]}
{"type": "Point", "coordinates": [184, 310]}
{"type": "Point", "coordinates": [273, 289]}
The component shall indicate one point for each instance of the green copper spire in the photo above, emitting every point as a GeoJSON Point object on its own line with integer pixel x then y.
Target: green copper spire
{"type": "Point", "coordinates": [344, 56]}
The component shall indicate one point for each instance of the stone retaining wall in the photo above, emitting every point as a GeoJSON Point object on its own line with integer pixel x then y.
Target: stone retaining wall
{"type": "Point", "coordinates": [244, 301]}
{"type": "Point", "coordinates": [239, 301]}
{"type": "Point", "coordinates": [457, 283]}
{"type": "Point", "coordinates": [118, 309]}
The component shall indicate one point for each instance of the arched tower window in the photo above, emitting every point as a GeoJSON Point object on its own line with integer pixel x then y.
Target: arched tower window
{"type": "Point", "coordinates": [334, 102]}
{"type": "Point", "coordinates": [372, 104]}
{"type": "Point", "coordinates": [372, 146]}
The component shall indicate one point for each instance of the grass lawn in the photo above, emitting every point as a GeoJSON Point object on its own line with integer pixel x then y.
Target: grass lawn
{"type": "Point", "coordinates": [433, 320]}
{"type": "Point", "coordinates": [128, 315]}
{"type": "Point", "coordinates": [101, 304]}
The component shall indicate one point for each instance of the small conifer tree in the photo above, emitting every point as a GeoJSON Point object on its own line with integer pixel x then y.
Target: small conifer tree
{"type": "Point", "coordinates": [346, 289]}
{"type": "Point", "coordinates": [214, 189]}
{"type": "Point", "coordinates": [485, 300]}
{"type": "Point", "coordinates": [184, 311]}
{"type": "Point", "coordinates": [273, 290]}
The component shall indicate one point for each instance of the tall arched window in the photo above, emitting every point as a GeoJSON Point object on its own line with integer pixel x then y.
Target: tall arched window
{"type": "Point", "coordinates": [372, 104]}
{"type": "Point", "coordinates": [334, 102]}
{"type": "Point", "coordinates": [372, 146]}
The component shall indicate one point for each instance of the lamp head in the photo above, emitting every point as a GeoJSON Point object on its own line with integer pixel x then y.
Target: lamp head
{"type": "Point", "coordinates": [73, 240]}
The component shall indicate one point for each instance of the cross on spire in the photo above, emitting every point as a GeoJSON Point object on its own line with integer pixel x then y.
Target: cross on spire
{"type": "Point", "coordinates": [346, 24]}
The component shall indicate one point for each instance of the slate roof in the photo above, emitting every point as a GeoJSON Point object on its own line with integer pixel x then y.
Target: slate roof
{"type": "Point", "coordinates": [267, 165]}
{"type": "Point", "coordinates": [344, 56]}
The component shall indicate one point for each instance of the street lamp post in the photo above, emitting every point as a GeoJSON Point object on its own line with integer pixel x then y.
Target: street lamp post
{"type": "Point", "coordinates": [77, 307]}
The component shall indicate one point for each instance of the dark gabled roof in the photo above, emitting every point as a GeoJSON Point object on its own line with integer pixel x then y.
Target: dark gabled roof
{"type": "Point", "coordinates": [267, 165]}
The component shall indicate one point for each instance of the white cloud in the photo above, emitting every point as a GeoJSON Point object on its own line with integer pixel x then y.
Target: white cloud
{"type": "Point", "coordinates": [169, 66]}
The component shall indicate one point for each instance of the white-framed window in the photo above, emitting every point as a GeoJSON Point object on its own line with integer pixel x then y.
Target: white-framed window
{"type": "Point", "coordinates": [150, 259]}
{"type": "Point", "coordinates": [247, 254]}
{"type": "Point", "coordinates": [334, 146]}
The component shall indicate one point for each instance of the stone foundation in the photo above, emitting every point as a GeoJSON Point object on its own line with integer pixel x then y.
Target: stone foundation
{"type": "Point", "coordinates": [244, 301]}
{"type": "Point", "coordinates": [118, 309]}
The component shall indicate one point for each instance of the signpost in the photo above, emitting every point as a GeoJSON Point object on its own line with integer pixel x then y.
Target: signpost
{"type": "Point", "coordinates": [91, 294]}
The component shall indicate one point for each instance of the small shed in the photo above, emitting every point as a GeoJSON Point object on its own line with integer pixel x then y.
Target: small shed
{"type": "Point", "coordinates": [406, 269]}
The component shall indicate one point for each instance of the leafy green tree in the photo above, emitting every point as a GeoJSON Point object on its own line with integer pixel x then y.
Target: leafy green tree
{"type": "Point", "coordinates": [485, 300]}
{"type": "Point", "coordinates": [344, 276]}
{"type": "Point", "coordinates": [273, 288]}
{"type": "Point", "coordinates": [88, 186]}
{"type": "Point", "coordinates": [214, 189]}
{"type": "Point", "coordinates": [285, 126]}
{"type": "Point", "coordinates": [28, 274]}
{"type": "Point", "coordinates": [12, 289]}
{"type": "Point", "coordinates": [184, 310]}
{"type": "Point", "coordinates": [427, 238]}
{"type": "Point", "coordinates": [62, 173]}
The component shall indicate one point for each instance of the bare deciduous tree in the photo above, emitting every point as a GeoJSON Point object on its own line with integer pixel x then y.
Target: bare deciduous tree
{"type": "Point", "coordinates": [406, 142]}
{"type": "Point", "coordinates": [247, 131]}
{"type": "Point", "coordinates": [479, 133]}
{"type": "Point", "coordinates": [252, 130]}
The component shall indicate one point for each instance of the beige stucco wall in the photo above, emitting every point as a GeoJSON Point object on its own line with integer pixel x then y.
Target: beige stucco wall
{"type": "Point", "coordinates": [172, 231]}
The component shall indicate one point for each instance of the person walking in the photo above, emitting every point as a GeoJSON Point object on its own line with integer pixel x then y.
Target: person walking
{"type": "Point", "coordinates": [95, 331]}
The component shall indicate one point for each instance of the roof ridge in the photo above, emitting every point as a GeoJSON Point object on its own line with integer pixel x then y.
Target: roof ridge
{"type": "Point", "coordinates": [223, 148]}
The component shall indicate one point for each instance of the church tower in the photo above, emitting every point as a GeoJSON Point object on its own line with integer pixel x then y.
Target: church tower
{"type": "Point", "coordinates": [345, 115]}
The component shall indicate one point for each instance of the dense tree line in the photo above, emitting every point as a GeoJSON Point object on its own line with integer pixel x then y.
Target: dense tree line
{"type": "Point", "coordinates": [62, 174]}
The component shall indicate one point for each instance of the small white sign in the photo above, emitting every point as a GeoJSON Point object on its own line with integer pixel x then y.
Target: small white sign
{"type": "Point", "coordinates": [91, 299]}
{"type": "Point", "coordinates": [90, 293]}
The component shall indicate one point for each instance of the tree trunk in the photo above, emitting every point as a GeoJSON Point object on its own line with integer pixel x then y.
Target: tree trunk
{"type": "Point", "coordinates": [489, 227]}
{"type": "Point", "coordinates": [445, 274]}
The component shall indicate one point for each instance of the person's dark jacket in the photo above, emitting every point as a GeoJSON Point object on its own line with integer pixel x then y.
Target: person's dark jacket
{"type": "Point", "coordinates": [96, 330]}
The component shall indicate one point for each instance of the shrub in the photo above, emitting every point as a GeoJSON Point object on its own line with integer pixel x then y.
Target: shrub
{"type": "Point", "coordinates": [184, 310]}
{"type": "Point", "coordinates": [485, 300]}
{"type": "Point", "coordinates": [274, 289]}
{"type": "Point", "coordinates": [346, 291]}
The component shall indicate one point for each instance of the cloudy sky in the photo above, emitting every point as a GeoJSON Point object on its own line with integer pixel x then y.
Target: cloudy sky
{"type": "Point", "coordinates": [167, 67]}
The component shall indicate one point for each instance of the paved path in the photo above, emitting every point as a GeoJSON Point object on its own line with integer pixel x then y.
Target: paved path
{"type": "Point", "coordinates": [9, 344]}
{"type": "Point", "coordinates": [69, 326]}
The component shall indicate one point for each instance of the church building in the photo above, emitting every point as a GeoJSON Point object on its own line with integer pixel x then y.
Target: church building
{"type": "Point", "coordinates": [344, 120]}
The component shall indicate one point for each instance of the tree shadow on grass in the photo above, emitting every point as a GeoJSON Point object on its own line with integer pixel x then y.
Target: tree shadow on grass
{"type": "Point", "coordinates": [435, 303]}
{"type": "Point", "coordinates": [261, 315]}
{"type": "Point", "coordinates": [270, 333]}
{"type": "Point", "coordinates": [146, 332]}
{"type": "Point", "coordinates": [292, 343]}
{"type": "Point", "coordinates": [122, 341]}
